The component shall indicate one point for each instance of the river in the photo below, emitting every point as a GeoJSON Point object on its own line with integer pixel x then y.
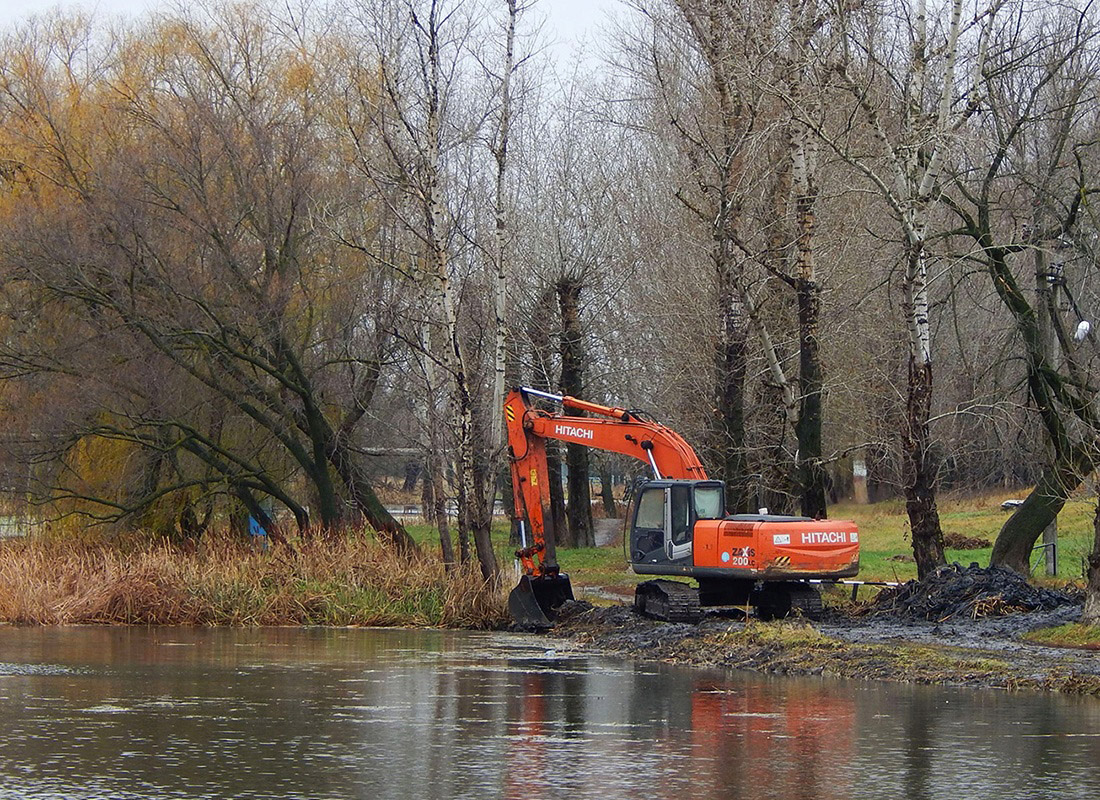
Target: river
{"type": "Point", "coordinates": [91, 712]}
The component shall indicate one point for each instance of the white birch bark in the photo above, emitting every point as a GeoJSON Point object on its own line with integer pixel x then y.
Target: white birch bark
{"type": "Point", "coordinates": [503, 277]}
{"type": "Point", "coordinates": [470, 503]}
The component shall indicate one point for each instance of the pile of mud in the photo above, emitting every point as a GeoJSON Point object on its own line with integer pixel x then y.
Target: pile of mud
{"type": "Point", "coordinates": [958, 541]}
{"type": "Point", "coordinates": [953, 592]}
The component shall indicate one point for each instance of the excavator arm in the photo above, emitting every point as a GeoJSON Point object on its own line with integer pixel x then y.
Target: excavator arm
{"type": "Point", "coordinates": [612, 429]}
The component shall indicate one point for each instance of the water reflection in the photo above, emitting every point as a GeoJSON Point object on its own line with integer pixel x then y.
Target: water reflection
{"type": "Point", "coordinates": [289, 713]}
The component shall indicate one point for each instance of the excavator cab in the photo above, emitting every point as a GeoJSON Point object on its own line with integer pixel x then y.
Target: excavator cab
{"type": "Point", "coordinates": [665, 513]}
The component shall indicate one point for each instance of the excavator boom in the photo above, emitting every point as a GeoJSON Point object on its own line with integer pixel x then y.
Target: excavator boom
{"type": "Point", "coordinates": [542, 587]}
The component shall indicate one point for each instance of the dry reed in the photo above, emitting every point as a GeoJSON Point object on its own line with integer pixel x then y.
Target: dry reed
{"type": "Point", "coordinates": [350, 581]}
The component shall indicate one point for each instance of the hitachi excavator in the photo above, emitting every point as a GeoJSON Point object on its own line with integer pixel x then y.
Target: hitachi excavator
{"type": "Point", "coordinates": [678, 524]}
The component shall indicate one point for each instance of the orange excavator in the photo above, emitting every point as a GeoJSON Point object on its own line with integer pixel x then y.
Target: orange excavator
{"type": "Point", "coordinates": [678, 524]}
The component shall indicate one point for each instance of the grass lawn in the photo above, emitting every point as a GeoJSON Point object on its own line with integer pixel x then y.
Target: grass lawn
{"type": "Point", "coordinates": [884, 534]}
{"type": "Point", "coordinates": [1072, 634]}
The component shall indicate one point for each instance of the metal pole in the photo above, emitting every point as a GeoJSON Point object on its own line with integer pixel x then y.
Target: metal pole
{"type": "Point", "coordinates": [1050, 547]}
{"type": "Point", "coordinates": [653, 463]}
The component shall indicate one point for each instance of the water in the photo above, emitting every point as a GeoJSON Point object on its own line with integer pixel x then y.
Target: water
{"type": "Point", "coordinates": [291, 713]}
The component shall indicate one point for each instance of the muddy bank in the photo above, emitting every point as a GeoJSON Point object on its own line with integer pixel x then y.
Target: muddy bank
{"type": "Point", "coordinates": [964, 652]}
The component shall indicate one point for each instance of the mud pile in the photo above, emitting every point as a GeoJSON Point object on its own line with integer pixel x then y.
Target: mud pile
{"type": "Point", "coordinates": [958, 541]}
{"type": "Point", "coordinates": [956, 592]}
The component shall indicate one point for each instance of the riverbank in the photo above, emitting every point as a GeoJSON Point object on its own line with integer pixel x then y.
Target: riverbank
{"type": "Point", "coordinates": [353, 581]}
{"type": "Point", "coordinates": [986, 653]}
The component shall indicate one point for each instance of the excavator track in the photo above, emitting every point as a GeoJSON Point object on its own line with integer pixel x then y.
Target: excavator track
{"type": "Point", "coordinates": [779, 601]}
{"type": "Point", "coordinates": [668, 601]}
{"type": "Point", "coordinates": [807, 602]}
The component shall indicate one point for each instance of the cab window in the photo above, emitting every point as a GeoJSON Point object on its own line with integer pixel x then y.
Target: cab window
{"type": "Point", "coordinates": [681, 514]}
{"type": "Point", "coordinates": [651, 509]}
{"type": "Point", "coordinates": [708, 502]}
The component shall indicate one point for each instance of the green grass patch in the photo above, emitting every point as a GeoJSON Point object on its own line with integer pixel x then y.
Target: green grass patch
{"type": "Point", "coordinates": [783, 635]}
{"type": "Point", "coordinates": [597, 566]}
{"type": "Point", "coordinates": [1072, 634]}
{"type": "Point", "coordinates": [884, 534]}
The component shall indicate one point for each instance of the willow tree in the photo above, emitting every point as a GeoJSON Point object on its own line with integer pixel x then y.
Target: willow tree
{"type": "Point", "coordinates": [1021, 192]}
{"type": "Point", "coordinates": [165, 191]}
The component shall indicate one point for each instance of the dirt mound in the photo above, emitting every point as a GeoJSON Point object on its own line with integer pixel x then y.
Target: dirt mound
{"type": "Point", "coordinates": [572, 608]}
{"type": "Point", "coordinates": [957, 541]}
{"type": "Point", "coordinates": [974, 591]}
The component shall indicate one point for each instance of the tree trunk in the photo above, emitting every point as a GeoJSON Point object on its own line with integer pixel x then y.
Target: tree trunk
{"type": "Point", "coordinates": [557, 497]}
{"type": "Point", "coordinates": [1018, 535]}
{"type": "Point", "coordinates": [774, 478]}
{"type": "Point", "coordinates": [920, 472]}
{"type": "Point", "coordinates": [513, 376]}
{"type": "Point", "coordinates": [508, 501]}
{"type": "Point", "coordinates": [811, 474]}
{"type": "Point", "coordinates": [803, 154]}
{"type": "Point", "coordinates": [539, 332]}
{"type": "Point", "coordinates": [321, 440]}
{"type": "Point", "coordinates": [607, 491]}
{"type": "Point", "coordinates": [484, 496]}
{"type": "Point", "coordinates": [579, 506]}
{"type": "Point", "coordinates": [502, 278]}
{"type": "Point", "coordinates": [473, 518]}
{"type": "Point", "coordinates": [412, 475]}
{"type": "Point", "coordinates": [435, 512]}
{"type": "Point", "coordinates": [732, 367]}
{"type": "Point", "coordinates": [336, 452]}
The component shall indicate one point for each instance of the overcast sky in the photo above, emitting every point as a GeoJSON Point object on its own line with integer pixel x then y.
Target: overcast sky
{"type": "Point", "coordinates": [568, 21]}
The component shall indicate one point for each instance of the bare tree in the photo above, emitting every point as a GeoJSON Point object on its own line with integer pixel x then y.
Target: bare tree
{"type": "Point", "coordinates": [427, 121]}
{"type": "Point", "coordinates": [913, 106]}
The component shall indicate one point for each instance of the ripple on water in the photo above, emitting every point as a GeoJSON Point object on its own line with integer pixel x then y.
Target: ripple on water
{"type": "Point", "coordinates": [36, 669]}
{"type": "Point", "coordinates": [107, 708]}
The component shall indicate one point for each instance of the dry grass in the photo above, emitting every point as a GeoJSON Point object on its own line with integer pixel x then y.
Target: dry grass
{"type": "Point", "coordinates": [352, 581]}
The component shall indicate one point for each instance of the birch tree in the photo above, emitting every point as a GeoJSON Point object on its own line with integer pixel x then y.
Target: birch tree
{"type": "Point", "coordinates": [914, 101]}
{"type": "Point", "coordinates": [428, 120]}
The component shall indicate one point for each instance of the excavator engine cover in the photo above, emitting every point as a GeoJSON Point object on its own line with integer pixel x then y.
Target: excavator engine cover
{"type": "Point", "coordinates": [535, 601]}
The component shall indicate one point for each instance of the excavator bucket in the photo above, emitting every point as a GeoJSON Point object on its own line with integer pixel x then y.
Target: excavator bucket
{"type": "Point", "coordinates": [534, 602]}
